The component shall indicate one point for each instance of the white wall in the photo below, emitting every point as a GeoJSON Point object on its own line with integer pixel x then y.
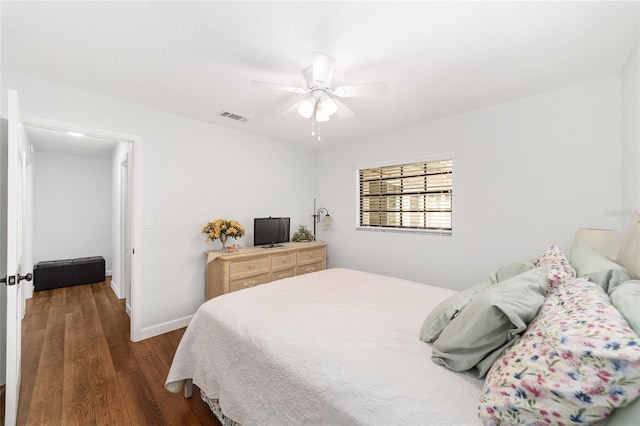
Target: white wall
{"type": "Point", "coordinates": [72, 206]}
{"type": "Point", "coordinates": [631, 138]}
{"type": "Point", "coordinates": [191, 172]}
{"type": "Point", "coordinates": [526, 174]}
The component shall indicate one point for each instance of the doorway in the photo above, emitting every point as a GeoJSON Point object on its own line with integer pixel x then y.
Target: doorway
{"type": "Point", "coordinates": [125, 154]}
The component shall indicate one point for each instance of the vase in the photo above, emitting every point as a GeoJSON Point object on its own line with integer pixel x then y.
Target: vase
{"type": "Point", "coordinates": [223, 240]}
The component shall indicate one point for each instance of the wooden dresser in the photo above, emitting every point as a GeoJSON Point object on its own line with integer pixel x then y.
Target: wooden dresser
{"type": "Point", "coordinates": [251, 266]}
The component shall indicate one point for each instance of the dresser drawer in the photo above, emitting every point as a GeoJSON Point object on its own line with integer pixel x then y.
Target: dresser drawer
{"type": "Point", "coordinates": [253, 266]}
{"type": "Point", "coordinates": [283, 273]}
{"type": "Point", "coordinates": [310, 256]}
{"type": "Point", "coordinates": [279, 261]}
{"type": "Point", "coordinates": [244, 267]}
{"type": "Point", "coordinates": [312, 267]}
{"type": "Point", "coordinates": [242, 283]}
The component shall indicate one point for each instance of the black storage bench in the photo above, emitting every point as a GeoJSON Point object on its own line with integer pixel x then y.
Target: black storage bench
{"type": "Point", "coordinates": [69, 272]}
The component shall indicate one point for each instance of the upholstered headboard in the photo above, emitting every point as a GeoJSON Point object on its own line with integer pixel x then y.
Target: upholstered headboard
{"type": "Point", "coordinates": [629, 255]}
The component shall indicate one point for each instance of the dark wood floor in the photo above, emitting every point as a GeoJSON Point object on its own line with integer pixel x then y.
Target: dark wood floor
{"type": "Point", "coordinates": [80, 367]}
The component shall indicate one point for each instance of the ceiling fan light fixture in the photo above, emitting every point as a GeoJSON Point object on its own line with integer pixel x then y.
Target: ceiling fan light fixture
{"type": "Point", "coordinates": [328, 106]}
{"type": "Point", "coordinates": [307, 107]}
{"type": "Point", "coordinates": [321, 116]}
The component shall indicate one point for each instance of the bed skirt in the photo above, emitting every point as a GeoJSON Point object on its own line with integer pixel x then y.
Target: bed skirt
{"type": "Point", "coordinates": [214, 405]}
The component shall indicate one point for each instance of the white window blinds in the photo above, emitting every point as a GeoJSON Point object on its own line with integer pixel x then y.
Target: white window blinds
{"type": "Point", "coordinates": [407, 196]}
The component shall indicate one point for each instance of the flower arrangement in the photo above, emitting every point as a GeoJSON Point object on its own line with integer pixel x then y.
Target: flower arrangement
{"type": "Point", "coordinates": [222, 229]}
{"type": "Point", "coordinates": [302, 234]}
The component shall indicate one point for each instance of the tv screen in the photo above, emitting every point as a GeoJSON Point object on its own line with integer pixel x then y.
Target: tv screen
{"type": "Point", "coordinates": [270, 231]}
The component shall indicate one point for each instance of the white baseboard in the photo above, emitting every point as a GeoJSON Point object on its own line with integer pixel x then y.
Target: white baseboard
{"type": "Point", "coordinates": [165, 327]}
{"type": "Point", "coordinates": [108, 272]}
{"type": "Point", "coordinates": [116, 289]}
{"type": "Point", "coordinates": [128, 309]}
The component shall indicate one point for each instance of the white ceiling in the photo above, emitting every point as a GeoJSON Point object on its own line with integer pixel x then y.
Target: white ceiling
{"type": "Point", "coordinates": [58, 140]}
{"type": "Point", "coordinates": [198, 58]}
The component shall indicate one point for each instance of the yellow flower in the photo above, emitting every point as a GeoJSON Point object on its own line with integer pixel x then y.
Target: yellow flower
{"type": "Point", "coordinates": [219, 227]}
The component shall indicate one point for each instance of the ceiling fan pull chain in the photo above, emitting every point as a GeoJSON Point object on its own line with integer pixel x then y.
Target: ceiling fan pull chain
{"type": "Point", "coordinates": [313, 123]}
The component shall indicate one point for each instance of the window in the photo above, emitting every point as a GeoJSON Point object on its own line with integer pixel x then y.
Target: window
{"type": "Point", "coordinates": [414, 196]}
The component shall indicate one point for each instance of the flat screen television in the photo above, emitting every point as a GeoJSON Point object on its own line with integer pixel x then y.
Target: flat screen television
{"type": "Point", "coordinates": [270, 231]}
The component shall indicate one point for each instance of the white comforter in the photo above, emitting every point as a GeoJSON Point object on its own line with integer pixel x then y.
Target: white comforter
{"type": "Point", "coordinates": [329, 348]}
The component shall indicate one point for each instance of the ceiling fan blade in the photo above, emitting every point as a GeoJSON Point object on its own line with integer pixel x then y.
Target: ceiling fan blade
{"type": "Point", "coordinates": [278, 87]}
{"type": "Point", "coordinates": [323, 66]}
{"type": "Point", "coordinates": [366, 89]}
{"type": "Point", "coordinates": [293, 109]}
{"type": "Point", "coordinates": [343, 110]}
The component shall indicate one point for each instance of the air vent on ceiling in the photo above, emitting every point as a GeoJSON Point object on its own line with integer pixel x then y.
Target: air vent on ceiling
{"type": "Point", "coordinates": [232, 116]}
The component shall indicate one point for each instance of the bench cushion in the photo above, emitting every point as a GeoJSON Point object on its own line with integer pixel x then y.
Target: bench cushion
{"type": "Point", "coordinates": [68, 272]}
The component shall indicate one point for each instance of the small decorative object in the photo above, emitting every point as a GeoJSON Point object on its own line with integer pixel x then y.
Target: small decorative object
{"type": "Point", "coordinates": [302, 234]}
{"type": "Point", "coordinates": [222, 229]}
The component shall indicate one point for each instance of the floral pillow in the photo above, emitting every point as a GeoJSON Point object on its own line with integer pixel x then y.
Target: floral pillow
{"type": "Point", "coordinates": [576, 363]}
{"type": "Point", "coordinates": [558, 268]}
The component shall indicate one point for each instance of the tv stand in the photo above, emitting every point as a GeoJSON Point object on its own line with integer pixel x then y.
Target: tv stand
{"type": "Point", "coordinates": [252, 266]}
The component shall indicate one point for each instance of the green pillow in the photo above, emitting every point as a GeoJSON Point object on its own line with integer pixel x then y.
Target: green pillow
{"type": "Point", "coordinates": [625, 416]}
{"type": "Point", "coordinates": [442, 314]}
{"type": "Point", "coordinates": [511, 270]}
{"type": "Point", "coordinates": [490, 323]}
{"type": "Point", "coordinates": [626, 298]}
{"type": "Point", "coordinates": [601, 270]}
{"type": "Point", "coordinates": [438, 319]}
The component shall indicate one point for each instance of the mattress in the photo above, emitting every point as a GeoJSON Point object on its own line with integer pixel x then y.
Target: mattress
{"type": "Point", "coordinates": [333, 347]}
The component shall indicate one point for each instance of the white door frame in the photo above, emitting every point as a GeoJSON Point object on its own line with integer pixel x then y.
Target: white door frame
{"type": "Point", "coordinates": [135, 184]}
{"type": "Point", "coordinates": [125, 233]}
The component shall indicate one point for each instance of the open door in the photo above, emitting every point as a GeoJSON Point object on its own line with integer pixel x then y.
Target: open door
{"type": "Point", "coordinates": [16, 162]}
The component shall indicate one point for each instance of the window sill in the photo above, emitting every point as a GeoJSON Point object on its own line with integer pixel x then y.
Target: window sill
{"type": "Point", "coordinates": [444, 232]}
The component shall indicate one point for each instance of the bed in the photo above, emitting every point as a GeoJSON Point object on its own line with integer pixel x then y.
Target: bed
{"type": "Point", "coordinates": [341, 347]}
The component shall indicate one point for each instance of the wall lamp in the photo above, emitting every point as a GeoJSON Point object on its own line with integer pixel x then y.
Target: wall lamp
{"type": "Point", "coordinates": [327, 220]}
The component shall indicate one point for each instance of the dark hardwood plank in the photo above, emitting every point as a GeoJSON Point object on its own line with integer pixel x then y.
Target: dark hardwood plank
{"type": "Point", "coordinates": [139, 400]}
{"type": "Point", "coordinates": [76, 397]}
{"type": "Point", "coordinates": [2, 404]}
{"type": "Point", "coordinates": [47, 394]}
{"type": "Point", "coordinates": [31, 351]}
{"type": "Point", "coordinates": [175, 411]}
{"type": "Point", "coordinates": [79, 366]}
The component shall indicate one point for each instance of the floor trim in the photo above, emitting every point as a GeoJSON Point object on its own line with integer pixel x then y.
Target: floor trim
{"type": "Point", "coordinates": [166, 327]}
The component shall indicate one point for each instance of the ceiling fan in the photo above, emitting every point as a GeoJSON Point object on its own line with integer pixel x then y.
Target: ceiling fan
{"type": "Point", "coordinates": [322, 101]}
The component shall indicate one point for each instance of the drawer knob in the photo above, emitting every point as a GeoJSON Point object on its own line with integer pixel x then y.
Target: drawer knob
{"type": "Point", "coordinates": [250, 265]}
{"type": "Point", "coordinates": [310, 269]}
{"type": "Point", "coordinates": [310, 255]}
{"type": "Point", "coordinates": [283, 260]}
{"type": "Point", "coordinates": [250, 283]}
{"type": "Point", "coordinates": [283, 276]}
